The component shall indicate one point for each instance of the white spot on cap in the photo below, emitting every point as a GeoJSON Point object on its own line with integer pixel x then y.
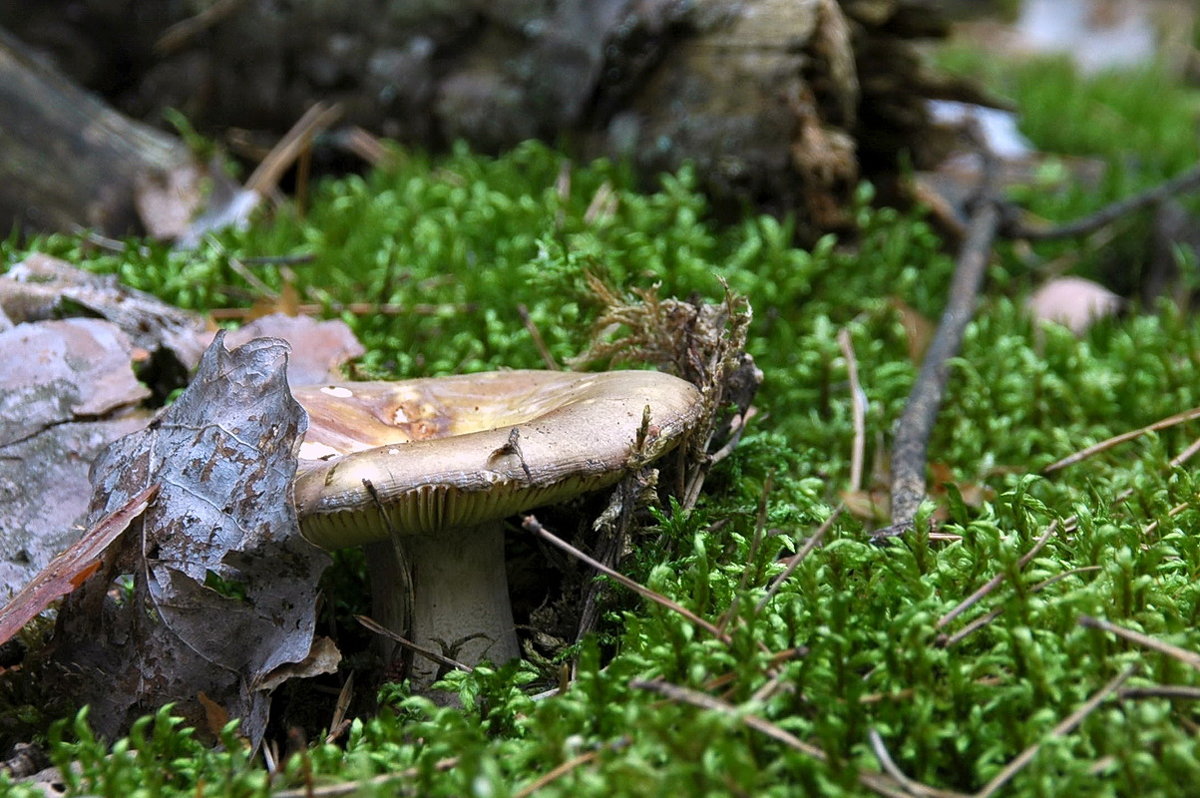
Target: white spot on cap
{"type": "Point", "coordinates": [399, 417]}
{"type": "Point", "coordinates": [338, 391]}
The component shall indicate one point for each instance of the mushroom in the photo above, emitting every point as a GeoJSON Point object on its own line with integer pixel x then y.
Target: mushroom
{"type": "Point", "coordinates": [435, 465]}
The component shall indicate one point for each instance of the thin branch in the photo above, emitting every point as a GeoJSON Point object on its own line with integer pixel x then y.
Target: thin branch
{"type": "Point", "coordinates": [1145, 641]}
{"type": "Point", "coordinates": [1096, 448]}
{"type": "Point", "coordinates": [353, 308]}
{"type": "Point", "coordinates": [794, 561]}
{"type": "Point", "coordinates": [1065, 727]}
{"type": "Point", "coordinates": [910, 785]}
{"type": "Point", "coordinates": [858, 412]}
{"type": "Point", "coordinates": [357, 787]}
{"type": "Point", "coordinates": [427, 653]}
{"type": "Point", "coordinates": [1161, 691]}
{"type": "Point", "coordinates": [1186, 454]}
{"type": "Point", "coordinates": [184, 32]}
{"type": "Point", "coordinates": [879, 782]}
{"type": "Point", "coordinates": [530, 524]}
{"type": "Point", "coordinates": [566, 767]}
{"type": "Point", "coordinates": [984, 620]}
{"type": "Point", "coordinates": [539, 342]}
{"type": "Point", "coordinates": [910, 448]}
{"type": "Point", "coordinates": [995, 581]}
{"type": "Point", "coordinates": [1187, 181]}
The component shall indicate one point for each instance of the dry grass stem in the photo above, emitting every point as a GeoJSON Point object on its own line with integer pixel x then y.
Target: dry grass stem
{"type": "Point", "coordinates": [880, 783]}
{"type": "Point", "coordinates": [266, 176]}
{"type": "Point", "coordinates": [914, 788]}
{"type": "Point", "coordinates": [1145, 641]}
{"type": "Point", "coordinates": [339, 722]}
{"type": "Point", "coordinates": [427, 653]}
{"type": "Point", "coordinates": [857, 408]}
{"type": "Point", "coordinates": [538, 341]}
{"type": "Point", "coordinates": [1102, 446]}
{"type": "Point", "coordinates": [530, 524]}
{"type": "Point", "coordinates": [794, 561]}
{"type": "Point", "coordinates": [984, 620]}
{"type": "Point", "coordinates": [1065, 727]}
{"type": "Point", "coordinates": [995, 581]}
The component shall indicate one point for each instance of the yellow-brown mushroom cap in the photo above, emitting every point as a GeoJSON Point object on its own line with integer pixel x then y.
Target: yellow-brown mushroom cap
{"type": "Point", "coordinates": [442, 452]}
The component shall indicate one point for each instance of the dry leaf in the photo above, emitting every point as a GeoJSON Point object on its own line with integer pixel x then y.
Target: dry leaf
{"type": "Point", "coordinates": [223, 586]}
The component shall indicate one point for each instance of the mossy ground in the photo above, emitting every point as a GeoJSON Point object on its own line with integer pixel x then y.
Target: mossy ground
{"type": "Point", "coordinates": [475, 237]}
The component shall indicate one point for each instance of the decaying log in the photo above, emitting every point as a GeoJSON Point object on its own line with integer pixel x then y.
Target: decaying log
{"type": "Point", "coordinates": [67, 159]}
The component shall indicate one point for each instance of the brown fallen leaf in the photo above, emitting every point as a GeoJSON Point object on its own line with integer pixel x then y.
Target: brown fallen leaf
{"type": "Point", "coordinates": [73, 567]}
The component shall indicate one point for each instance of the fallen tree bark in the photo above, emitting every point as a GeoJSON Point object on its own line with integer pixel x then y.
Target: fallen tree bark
{"type": "Point", "coordinates": [66, 158]}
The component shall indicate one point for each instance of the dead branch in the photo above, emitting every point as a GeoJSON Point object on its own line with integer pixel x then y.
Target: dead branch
{"type": "Point", "coordinates": [916, 425]}
{"type": "Point", "coordinates": [1187, 181]}
{"type": "Point", "coordinates": [1190, 658]}
{"type": "Point", "coordinates": [1065, 727]}
{"type": "Point", "coordinates": [995, 581]}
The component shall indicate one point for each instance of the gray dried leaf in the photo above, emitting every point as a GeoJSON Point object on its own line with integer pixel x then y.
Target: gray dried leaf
{"type": "Point", "coordinates": [224, 587]}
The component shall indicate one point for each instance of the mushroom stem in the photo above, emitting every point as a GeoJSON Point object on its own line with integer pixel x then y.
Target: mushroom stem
{"type": "Point", "coordinates": [461, 606]}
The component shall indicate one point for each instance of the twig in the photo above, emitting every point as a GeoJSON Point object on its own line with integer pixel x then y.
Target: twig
{"type": "Point", "coordinates": [911, 786]}
{"type": "Point", "coordinates": [530, 524]}
{"type": "Point", "coordinates": [858, 412]}
{"type": "Point", "coordinates": [317, 118]}
{"type": "Point", "coordinates": [356, 787]}
{"type": "Point", "coordinates": [1186, 454]}
{"type": "Point", "coordinates": [920, 413]}
{"type": "Point", "coordinates": [1145, 641]}
{"type": "Point", "coordinates": [1096, 448]}
{"type": "Point", "coordinates": [984, 620]}
{"type": "Point", "coordinates": [995, 581]}
{"type": "Point", "coordinates": [879, 782]}
{"type": "Point", "coordinates": [176, 37]}
{"type": "Point", "coordinates": [427, 653]}
{"type": "Point", "coordinates": [566, 767]}
{"type": "Point", "coordinates": [353, 308]}
{"type": "Point", "coordinates": [1161, 691]}
{"type": "Point", "coordinates": [1065, 727]}
{"type": "Point", "coordinates": [1186, 181]}
{"type": "Point", "coordinates": [794, 561]}
{"type": "Point", "coordinates": [539, 342]}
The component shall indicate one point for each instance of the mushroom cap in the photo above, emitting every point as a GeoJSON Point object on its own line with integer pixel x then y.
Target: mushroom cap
{"type": "Point", "coordinates": [461, 450]}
